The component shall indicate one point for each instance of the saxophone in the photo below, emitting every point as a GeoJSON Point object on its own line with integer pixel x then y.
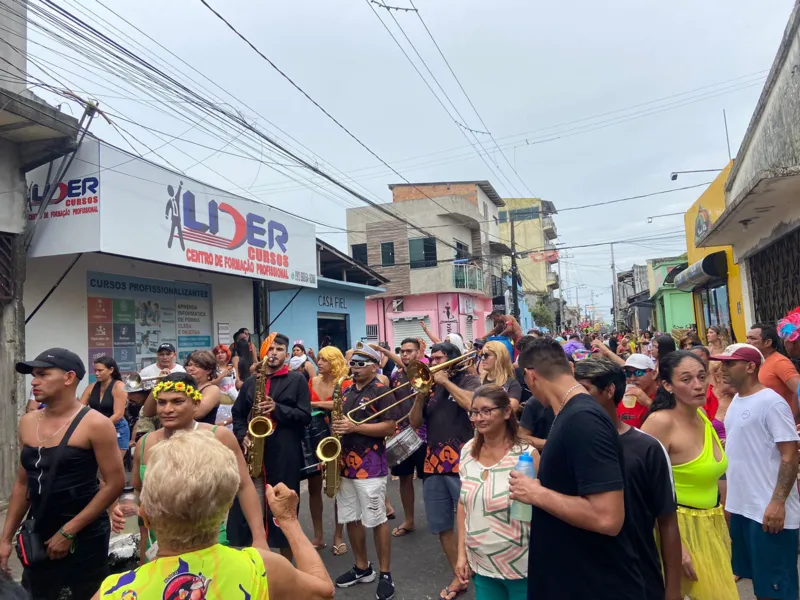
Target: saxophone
{"type": "Point", "coordinates": [329, 449]}
{"type": "Point", "coordinates": [259, 427]}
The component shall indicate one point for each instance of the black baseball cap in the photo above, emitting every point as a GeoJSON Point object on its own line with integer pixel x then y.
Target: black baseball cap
{"type": "Point", "coordinates": [166, 347]}
{"type": "Point", "coordinates": [54, 358]}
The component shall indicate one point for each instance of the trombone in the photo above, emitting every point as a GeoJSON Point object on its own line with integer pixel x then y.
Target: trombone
{"type": "Point", "coordinates": [420, 377]}
{"type": "Point", "coordinates": [136, 382]}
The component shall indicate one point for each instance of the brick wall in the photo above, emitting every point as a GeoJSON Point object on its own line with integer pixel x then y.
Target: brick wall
{"type": "Point", "coordinates": [469, 191]}
{"type": "Point", "coordinates": [399, 276]}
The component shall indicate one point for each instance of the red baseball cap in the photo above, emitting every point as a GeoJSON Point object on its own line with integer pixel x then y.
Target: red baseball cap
{"type": "Point", "coordinates": [742, 352]}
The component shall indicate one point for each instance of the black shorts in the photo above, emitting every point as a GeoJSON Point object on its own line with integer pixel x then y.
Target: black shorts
{"type": "Point", "coordinates": [415, 461]}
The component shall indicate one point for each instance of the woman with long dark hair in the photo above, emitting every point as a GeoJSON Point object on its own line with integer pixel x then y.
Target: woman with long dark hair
{"type": "Point", "coordinates": [107, 396]}
{"type": "Point", "coordinates": [698, 460]}
{"type": "Point", "coordinates": [486, 461]}
{"type": "Point", "coordinates": [663, 345]}
{"type": "Point", "coordinates": [242, 361]}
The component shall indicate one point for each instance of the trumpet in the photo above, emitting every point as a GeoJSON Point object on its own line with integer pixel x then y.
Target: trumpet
{"type": "Point", "coordinates": [135, 382]}
{"type": "Point", "coordinates": [420, 377]}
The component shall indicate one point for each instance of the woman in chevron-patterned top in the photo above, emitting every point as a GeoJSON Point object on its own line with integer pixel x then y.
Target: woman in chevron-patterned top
{"type": "Point", "coordinates": [493, 547]}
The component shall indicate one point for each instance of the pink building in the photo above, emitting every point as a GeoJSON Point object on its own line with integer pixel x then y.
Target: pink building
{"type": "Point", "coordinates": [392, 320]}
{"type": "Point", "coordinates": [442, 256]}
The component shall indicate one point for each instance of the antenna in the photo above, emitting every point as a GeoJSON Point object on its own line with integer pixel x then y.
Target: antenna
{"type": "Point", "coordinates": [727, 137]}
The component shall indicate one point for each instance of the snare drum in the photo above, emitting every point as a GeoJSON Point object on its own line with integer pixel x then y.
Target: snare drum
{"type": "Point", "coordinates": [316, 431]}
{"type": "Point", "coordinates": [401, 446]}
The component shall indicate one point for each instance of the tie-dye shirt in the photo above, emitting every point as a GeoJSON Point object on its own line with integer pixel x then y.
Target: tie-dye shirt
{"type": "Point", "coordinates": [365, 455]}
{"type": "Point", "coordinates": [214, 572]}
{"type": "Point", "coordinates": [497, 545]}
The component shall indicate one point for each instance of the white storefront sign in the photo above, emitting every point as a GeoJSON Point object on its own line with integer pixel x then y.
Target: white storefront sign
{"type": "Point", "coordinates": [113, 202]}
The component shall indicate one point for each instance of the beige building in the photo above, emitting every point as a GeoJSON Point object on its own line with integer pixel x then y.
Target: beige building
{"type": "Point", "coordinates": [534, 232]}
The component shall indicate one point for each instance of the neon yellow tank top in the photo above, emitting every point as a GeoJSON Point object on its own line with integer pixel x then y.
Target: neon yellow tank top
{"type": "Point", "coordinates": [214, 572]}
{"type": "Point", "coordinates": [696, 480]}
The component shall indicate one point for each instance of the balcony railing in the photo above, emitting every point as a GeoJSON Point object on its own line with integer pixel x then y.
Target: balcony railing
{"type": "Point", "coordinates": [549, 228]}
{"type": "Point", "coordinates": [467, 277]}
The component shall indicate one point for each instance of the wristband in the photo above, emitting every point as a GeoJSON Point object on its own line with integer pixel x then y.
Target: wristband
{"type": "Point", "coordinates": [69, 536]}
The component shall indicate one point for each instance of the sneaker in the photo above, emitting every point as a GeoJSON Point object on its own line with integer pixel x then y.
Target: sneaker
{"type": "Point", "coordinates": [385, 589]}
{"type": "Point", "coordinates": [356, 575]}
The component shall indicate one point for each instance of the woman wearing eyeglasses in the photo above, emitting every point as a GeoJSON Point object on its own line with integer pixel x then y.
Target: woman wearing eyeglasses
{"type": "Point", "coordinates": [485, 529]}
{"type": "Point", "coordinates": [495, 367]}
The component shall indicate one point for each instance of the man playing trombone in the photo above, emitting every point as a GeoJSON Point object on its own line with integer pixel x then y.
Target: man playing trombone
{"type": "Point", "coordinates": [444, 411]}
{"type": "Point", "coordinates": [362, 493]}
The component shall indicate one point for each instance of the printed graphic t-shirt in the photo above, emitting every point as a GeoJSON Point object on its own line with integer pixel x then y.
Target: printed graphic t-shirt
{"type": "Point", "coordinates": [449, 427]}
{"type": "Point", "coordinates": [193, 576]}
{"type": "Point", "coordinates": [364, 455]}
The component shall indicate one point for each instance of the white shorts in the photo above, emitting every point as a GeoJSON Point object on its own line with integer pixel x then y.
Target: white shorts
{"type": "Point", "coordinates": [362, 500]}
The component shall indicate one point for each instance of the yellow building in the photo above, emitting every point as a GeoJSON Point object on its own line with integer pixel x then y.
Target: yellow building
{"type": "Point", "coordinates": [534, 231]}
{"type": "Point", "coordinates": [711, 275]}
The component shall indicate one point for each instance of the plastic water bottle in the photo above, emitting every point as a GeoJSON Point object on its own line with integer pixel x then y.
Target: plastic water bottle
{"type": "Point", "coordinates": [519, 510]}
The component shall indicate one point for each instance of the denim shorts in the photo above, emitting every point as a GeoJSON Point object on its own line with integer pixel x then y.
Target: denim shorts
{"type": "Point", "coordinates": [441, 494]}
{"type": "Point", "coordinates": [769, 559]}
{"type": "Point", "coordinates": [123, 434]}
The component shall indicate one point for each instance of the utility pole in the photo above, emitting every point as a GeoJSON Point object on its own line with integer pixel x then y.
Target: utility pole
{"type": "Point", "coordinates": [560, 297]}
{"type": "Point", "coordinates": [592, 319]}
{"type": "Point", "coordinates": [578, 303]}
{"type": "Point", "coordinates": [514, 291]}
{"type": "Point", "coordinates": [614, 287]}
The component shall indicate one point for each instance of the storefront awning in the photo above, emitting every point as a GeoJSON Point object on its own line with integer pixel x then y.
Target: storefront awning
{"type": "Point", "coordinates": [712, 267]}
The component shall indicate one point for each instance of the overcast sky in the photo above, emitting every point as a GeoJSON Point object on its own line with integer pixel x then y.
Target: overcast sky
{"type": "Point", "coordinates": [611, 97]}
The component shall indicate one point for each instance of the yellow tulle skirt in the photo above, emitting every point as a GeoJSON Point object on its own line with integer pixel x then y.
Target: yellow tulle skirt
{"type": "Point", "coordinates": [705, 535]}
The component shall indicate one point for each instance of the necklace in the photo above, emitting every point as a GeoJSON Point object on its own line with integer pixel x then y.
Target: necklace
{"type": "Point", "coordinates": [57, 431]}
{"type": "Point", "coordinates": [563, 402]}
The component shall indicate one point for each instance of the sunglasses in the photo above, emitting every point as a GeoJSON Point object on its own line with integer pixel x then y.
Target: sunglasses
{"type": "Point", "coordinates": [487, 355]}
{"type": "Point", "coordinates": [636, 373]}
{"type": "Point", "coordinates": [361, 363]}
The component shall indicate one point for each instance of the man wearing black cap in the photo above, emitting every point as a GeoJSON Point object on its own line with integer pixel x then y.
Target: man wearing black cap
{"type": "Point", "coordinates": [362, 494]}
{"type": "Point", "coordinates": [67, 502]}
{"type": "Point", "coordinates": [288, 404]}
{"type": "Point", "coordinates": [164, 365]}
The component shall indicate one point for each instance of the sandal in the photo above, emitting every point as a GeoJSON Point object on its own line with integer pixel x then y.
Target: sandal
{"type": "Point", "coordinates": [401, 531]}
{"type": "Point", "coordinates": [339, 549]}
{"type": "Point", "coordinates": [321, 546]}
{"type": "Point", "coordinates": [447, 591]}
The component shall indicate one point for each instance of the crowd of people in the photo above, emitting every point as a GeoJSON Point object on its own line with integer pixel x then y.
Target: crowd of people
{"type": "Point", "coordinates": [664, 469]}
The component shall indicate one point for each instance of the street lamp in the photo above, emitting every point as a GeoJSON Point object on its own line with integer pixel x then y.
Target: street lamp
{"type": "Point", "coordinates": [674, 175]}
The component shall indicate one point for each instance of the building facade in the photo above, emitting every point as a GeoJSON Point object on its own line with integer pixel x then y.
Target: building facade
{"type": "Point", "coordinates": [672, 309]}
{"type": "Point", "coordinates": [761, 220]}
{"type": "Point", "coordinates": [534, 232]}
{"type": "Point", "coordinates": [712, 276]}
{"type": "Point", "coordinates": [446, 275]}
{"type": "Point", "coordinates": [333, 313]}
{"type": "Point", "coordinates": [130, 255]}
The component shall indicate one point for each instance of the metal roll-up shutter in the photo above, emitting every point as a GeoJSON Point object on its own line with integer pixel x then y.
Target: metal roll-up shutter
{"type": "Point", "coordinates": [409, 327]}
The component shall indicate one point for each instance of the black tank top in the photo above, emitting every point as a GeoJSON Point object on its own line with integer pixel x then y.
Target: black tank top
{"type": "Point", "coordinates": [211, 417]}
{"type": "Point", "coordinates": [106, 405]}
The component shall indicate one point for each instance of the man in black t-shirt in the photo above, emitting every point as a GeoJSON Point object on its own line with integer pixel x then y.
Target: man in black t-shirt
{"type": "Point", "coordinates": [649, 491]}
{"type": "Point", "coordinates": [575, 551]}
{"type": "Point", "coordinates": [444, 412]}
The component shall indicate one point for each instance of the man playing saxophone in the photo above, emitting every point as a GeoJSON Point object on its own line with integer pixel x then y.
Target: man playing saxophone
{"type": "Point", "coordinates": [362, 492]}
{"type": "Point", "coordinates": [287, 402]}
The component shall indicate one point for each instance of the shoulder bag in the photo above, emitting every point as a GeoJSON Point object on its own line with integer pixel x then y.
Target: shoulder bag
{"type": "Point", "coordinates": [31, 548]}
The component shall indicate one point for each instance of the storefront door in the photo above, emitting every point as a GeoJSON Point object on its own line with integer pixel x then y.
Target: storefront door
{"type": "Point", "coordinates": [332, 331]}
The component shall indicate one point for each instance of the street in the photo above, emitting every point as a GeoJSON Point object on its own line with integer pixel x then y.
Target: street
{"type": "Point", "coordinates": [419, 568]}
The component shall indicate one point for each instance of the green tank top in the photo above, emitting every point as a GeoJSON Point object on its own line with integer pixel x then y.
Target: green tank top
{"type": "Point", "coordinates": [215, 572]}
{"type": "Point", "coordinates": [151, 536]}
{"type": "Point", "coordinates": [696, 481]}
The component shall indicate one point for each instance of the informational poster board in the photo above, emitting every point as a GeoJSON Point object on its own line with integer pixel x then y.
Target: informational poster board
{"type": "Point", "coordinates": [129, 317]}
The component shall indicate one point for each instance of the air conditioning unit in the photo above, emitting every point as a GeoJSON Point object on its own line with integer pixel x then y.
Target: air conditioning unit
{"type": "Point", "coordinates": [397, 305]}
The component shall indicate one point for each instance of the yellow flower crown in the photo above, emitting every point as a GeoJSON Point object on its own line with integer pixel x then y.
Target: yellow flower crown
{"type": "Point", "coordinates": [177, 386]}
